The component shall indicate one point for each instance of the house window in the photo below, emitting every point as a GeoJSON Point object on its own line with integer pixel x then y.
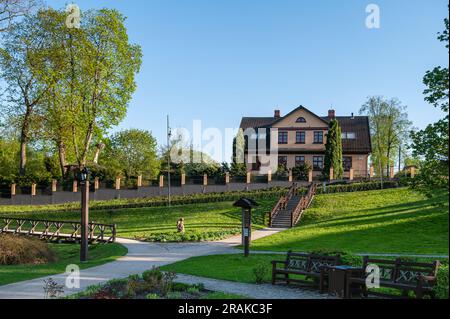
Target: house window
{"type": "Point", "coordinates": [301, 120]}
{"type": "Point", "coordinates": [299, 161]}
{"type": "Point", "coordinates": [282, 137]}
{"type": "Point", "coordinates": [300, 137]}
{"type": "Point", "coordinates": [282, 161]}
{"type": "Point", "coordinates": [318, 163]}
{"type": "Point", "coordinates": [348, 163]}
{"type": "Point", "coordinates": [348, 136]}
{"type": "Point", "coordinates": [318, 137]}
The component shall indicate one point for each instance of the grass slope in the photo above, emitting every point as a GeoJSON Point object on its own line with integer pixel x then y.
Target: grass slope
{"type": "Point", "coordinates": [67, 254]}
{"type": "Point", "coordinates": [386, 221]}
{"type": "Point", "coordinates": [144, 222]}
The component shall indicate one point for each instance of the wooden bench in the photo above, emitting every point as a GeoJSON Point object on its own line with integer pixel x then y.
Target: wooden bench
{"type": "Point", "coordinates": [398, 274]}
{"type": "Point", "coordinates": [309, 265]}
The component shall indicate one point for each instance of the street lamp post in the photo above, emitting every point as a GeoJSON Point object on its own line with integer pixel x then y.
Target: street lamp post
{"type": "Point", "coordinates": [84, 181]}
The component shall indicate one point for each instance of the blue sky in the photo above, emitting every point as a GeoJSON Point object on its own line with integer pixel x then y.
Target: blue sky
{"type": "Point", "coordinates": [219, 60]}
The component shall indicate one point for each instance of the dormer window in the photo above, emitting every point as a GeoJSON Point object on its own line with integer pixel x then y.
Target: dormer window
{"type": "Point", "coordinates": [301, 120]}
{"type": "Point", "coordinates": [348, 136]}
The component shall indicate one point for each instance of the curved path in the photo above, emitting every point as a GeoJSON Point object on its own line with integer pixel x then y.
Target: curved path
{"type": "Point", "coordinates": [141, 256]}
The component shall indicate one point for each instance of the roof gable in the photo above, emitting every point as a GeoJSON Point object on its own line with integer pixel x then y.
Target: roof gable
{"type": "Point", "coordinates": [290, 119]}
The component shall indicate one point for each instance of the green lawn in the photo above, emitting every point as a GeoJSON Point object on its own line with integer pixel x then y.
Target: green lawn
{"type": "Point", "coordinates": [67, 254]}
{"type": "Point", "coordinates": [144, 222]}
{"type": "Point", "coordinates": [386, 221]}
{"type": "Point", "coordinates": [225, 267]}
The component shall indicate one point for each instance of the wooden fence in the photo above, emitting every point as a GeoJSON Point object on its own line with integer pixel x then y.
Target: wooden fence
{"type": "Point", "coordinates": [57, 230]}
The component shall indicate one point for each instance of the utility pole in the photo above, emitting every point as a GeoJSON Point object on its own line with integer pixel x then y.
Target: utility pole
{"type": "Point", "coordinates": [169, 133]}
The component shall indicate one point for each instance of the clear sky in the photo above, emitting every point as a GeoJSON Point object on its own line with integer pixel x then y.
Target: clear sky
{"type": "Point", "coordinates": [219, 60]}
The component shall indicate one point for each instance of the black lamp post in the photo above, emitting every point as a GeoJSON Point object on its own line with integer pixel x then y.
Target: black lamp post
{"type": "Point", "coordinates": [246, 204]}
{"type": "Point", "coordinates": [84, 181]}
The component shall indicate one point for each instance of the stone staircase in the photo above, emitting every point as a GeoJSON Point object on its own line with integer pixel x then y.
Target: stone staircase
{"type": "Point", "coordinates": [289, 209]}
{"type": "Point", "coordinates": [283, 218]}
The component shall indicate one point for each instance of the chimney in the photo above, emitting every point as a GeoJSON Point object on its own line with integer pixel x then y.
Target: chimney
{"type": "Point", "coordinates": [277, 114]}
{"type": "Point", "coordinates": [353, 116]}
{"type": "Point", "coordinates": [331, 114]}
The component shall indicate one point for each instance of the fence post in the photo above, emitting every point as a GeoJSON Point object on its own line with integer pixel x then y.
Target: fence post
{"type": "Point", "coordinates": [227, 178]}
{"type": "Point", "coordinates": [290, 176]}
{"type": "Point", "coordinates": [249, 178]}
{"type": "Point", "coordinates": [54, 185]}
{"type": "Point", "coordinates": [13, 189]}
{"type": "Point", "coordinates": [75, 186]}
{"type": "Point", "coordinates": [391, 173]}
{"type": "Point", "coordinates": [269, 176]}
{"type": "Point", "coordinates": [352, 173]}
{"type": "Point", "coordinates": [96, 183]}
{"type": "Point", "coordinates": [117, 183]}
{"type": "Point", "coordinates": [331, 174]}
{"type": "Point", "coordinates": [205, 179]}
{"type": "Point", "coordinates": [183, 179]}
{"type": "Point", "coordinates": [371, 172]}
{"type": "Point", "coordinates": [161, 181]}
{"type": "Point", "coordinates": [310, 176]}
{"type": "Point", "coordinates": [33, 189]}
{"type": "Point", "coordinates": [139, 181]}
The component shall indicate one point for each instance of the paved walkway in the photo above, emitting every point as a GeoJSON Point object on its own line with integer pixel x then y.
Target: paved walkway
{"type": "Point", "coordinates": [265, 291]}
{"type": "Point", "coordinates": [141, 256]}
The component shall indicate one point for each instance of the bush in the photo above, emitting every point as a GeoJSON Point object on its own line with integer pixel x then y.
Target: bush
{"type": "Point", "coordinates": [260, 271]}
{"type": "Point", "coordinates": [153, 277]}
{"type": "Point", "coordinates": [356, 187]}
{"type": "Point", "coordinates": [441, 288]}
{"type": "Point", "coordinates": [191, 236]}
{"type": "Point", "coordinates": [18, 250]}
{"type": "Point", "coordinates": [346, 257]}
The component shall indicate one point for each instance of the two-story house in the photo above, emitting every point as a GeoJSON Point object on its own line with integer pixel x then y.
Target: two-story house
{"type": "Point", "coordinates": [301, 136]}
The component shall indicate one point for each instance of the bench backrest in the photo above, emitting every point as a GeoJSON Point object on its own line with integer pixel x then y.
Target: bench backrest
{"type": "Point", "coordinates": [402, 271]}
{"type": "Point", "coordinates": [310, 262]}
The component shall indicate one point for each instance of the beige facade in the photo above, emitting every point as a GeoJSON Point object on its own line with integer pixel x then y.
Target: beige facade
{"type": "Point", "coordinates": [294, 146]}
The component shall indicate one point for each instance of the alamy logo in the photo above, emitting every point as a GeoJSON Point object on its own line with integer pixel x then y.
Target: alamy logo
{"type": "Point", "coordinates": [74, 16]}
{"type": "Point", "coordinates": [73, 277]}
{"type": "Point", "coordinates": [373, 276]}
{"type": "Point", "coordinates": [373, 19]}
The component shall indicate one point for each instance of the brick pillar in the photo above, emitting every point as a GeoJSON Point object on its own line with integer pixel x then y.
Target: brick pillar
{"type": "Point", "coordinates": [249, 177]}
{"type": "Point", "coordinates": [96, 183]}
{"type": "Point", "coordinates": [13, 189]}
{"type": "Point", "coordinates": [352, 173]}
{"type": "Point", "coordinates": [183, 179]}
{"type": "Point", "coordinates": [290, 176]}
{"type": "Point", "coordinates": [269, 176]}
{"type": "Point", "coordinates": [227, 178]}
{"type": "Point", "coordinates": [33, 189]}
{"type": "Point", "coordinates": [75, 186]}
{"type": "Point", "coordinates": [391, 173]}
{"type": "Point", "coordinates": [331, 174]}
{"type": "Point", "coordinates": [371, 171]}
{"type": "Point", "coordinates": [139, 181]}
{"type": "Point", "coordinates": [413, 172]}
{"type": "Point", "coordinates": [117, 183]}
{"type": "Point", "coordinates": [310, 176]}
{"type": "Point", "coordinates": [161, 181]}
{"type": "Point", "coordinates": [205, 180]}
{"type": "Point", "coordinates": [54, 184]}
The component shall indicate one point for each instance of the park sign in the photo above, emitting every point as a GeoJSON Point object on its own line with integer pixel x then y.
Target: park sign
{"type": "Point", "coordinates": [246, 204]}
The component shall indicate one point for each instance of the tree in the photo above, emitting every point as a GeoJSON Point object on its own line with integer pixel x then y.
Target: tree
{"type": "Point", "coordinates": [431, 144]}
{"type": "Point", "coordinates": [238, 167]}
{"type": "Point", "coordinates": [134, 151]}
{"type": "Point", "coordinates": [389, 127]}
{"type": "Point", "coordinates": [10, 10]}
{"type": "Point", "coordinates": [333, 151]}
{"type": "Point", "coordinates": [101, 79]}
{"type": "Point", "coordinates": [25, 67]}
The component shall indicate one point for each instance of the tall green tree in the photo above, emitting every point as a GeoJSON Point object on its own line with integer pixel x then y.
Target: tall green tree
{"type": "Point", "coordinates": [28, 74]}
{"type": "Point", "coordinates": [134, 152]}
{"type": "Point", "coordinates": [389, 128]}
{"type": "Point", "coordinates": [333, 151]}
{"type": "Point", "coordinates": [431, 144]}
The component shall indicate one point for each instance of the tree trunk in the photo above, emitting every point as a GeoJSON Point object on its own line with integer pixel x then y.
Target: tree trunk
{"type": "Point", "coordinates": [62, 158]}
{"type": "Point", "coordinates": [24, 140]}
